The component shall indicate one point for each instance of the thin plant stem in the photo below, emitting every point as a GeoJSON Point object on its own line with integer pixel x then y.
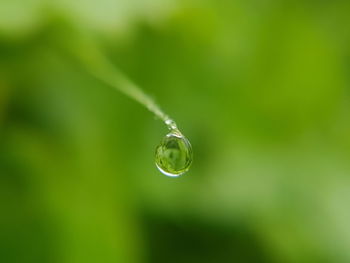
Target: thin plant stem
{"type": "Point", "coordinates": [96, 63]}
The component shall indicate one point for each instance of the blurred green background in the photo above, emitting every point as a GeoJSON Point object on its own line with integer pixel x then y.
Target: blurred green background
{"type": "Point", "coordinates": [260, 88]}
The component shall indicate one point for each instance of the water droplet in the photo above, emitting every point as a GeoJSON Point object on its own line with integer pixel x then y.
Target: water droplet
{"type": "Point", "coordinates": [174, 154]}
{"type": "Point", "coordinates": [171, 124]}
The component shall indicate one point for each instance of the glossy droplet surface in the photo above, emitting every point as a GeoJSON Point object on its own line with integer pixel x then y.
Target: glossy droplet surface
{"type": "Point", "coordinates": [174, 154]}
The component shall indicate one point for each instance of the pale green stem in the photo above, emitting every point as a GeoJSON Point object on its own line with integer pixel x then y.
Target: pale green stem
{"type": "Point", "coordinates": [101, 68]}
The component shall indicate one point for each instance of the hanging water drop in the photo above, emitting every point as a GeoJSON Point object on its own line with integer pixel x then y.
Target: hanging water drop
{"type": "Point", "coordinates": [174, 154]}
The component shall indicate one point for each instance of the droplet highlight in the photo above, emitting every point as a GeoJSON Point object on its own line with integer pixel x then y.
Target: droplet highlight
{"type": "Point", "coordinates": [174, 154]}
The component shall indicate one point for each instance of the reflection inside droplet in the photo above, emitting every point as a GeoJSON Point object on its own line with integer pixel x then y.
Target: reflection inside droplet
{"type": "Point", "coordinates": [174, 154]}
